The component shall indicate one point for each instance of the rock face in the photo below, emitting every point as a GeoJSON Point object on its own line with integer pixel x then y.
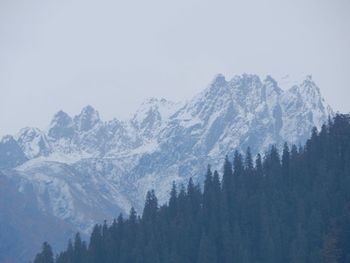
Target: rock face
{"type": "Point", "coordinates": [83, 170]}
{"type": "Point", "coordinates": [11, 154]}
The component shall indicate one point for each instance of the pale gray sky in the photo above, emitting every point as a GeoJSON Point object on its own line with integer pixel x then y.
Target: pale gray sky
{"type": "Point", "coordinates": [112, 54]}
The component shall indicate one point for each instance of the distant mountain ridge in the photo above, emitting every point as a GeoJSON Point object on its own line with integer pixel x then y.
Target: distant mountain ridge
{"type": "Point", "coordinates": [81, 162]}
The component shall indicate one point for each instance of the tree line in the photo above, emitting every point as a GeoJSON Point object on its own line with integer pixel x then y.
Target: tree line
{"type": "Point", "coordinates": [291, 205]}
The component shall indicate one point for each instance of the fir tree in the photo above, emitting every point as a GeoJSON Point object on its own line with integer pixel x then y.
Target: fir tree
{"type": "Point", "coordinates": [46, 255]}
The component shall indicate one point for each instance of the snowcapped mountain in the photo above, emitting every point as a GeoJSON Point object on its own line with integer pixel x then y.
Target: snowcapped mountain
{"type": "Point", "coordinates": [82, 170]}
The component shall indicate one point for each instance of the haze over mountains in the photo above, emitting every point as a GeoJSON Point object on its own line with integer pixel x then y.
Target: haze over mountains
{"type": "Point", "coordinates": [82, 170]}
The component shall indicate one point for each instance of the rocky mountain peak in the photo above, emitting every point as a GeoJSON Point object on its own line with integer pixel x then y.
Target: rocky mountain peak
{"type": "Point", "coordinates": [217, 88]}
{"type": "Point", "coordinates": [151, 106]}
{"type": "Point", "coordinates": [11, 154]}
{"type": "Point", "coordinates": [7, 139]}
{"type": "Point", "coordinates": [218, 80]}
{"type": "Point", "coordinates": [61, 126]}
{"type": "Point", "coordinates": [309, 87]}
{"type": "Point", "coordinates": [151, 115]}
{"type": "Point", "coordinates": [33, 142]}
{"type": "Point", "coordinates": [308, 93]}
{"type": "Point", "coordinates": [28, 133]}
{"type": "Point", "coordinates": [272, 85]}
{"type": "Point", "coordinates": [87, 118]}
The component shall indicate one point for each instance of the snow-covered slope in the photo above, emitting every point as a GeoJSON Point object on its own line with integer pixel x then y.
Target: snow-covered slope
{"type": "Point", "coordinates": [82, 169]}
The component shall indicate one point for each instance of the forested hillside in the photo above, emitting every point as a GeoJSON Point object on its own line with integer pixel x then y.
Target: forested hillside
{"type": "Point", "coordinates": [291, 205]}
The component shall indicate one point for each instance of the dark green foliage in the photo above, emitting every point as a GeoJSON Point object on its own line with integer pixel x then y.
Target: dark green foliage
{"type": "Point", "coordinates": [293, 207]}
{"type": "Point", "coordinates": [45, 256]}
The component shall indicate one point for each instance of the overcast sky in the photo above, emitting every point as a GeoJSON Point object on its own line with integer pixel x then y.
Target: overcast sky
{"type": "Point", "coordinates": [65, 54]}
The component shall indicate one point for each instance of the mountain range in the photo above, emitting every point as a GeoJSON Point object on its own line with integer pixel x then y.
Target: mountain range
{"type": "Point", "coordinates": [82, 170]}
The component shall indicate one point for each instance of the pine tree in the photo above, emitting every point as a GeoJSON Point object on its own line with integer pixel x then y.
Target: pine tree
{"type": "Point", "coordinates": [227, 178]}
{"type": "Point", "coordinates": [207, 252]}
{"type": "Point", "coordinates": [330, 251]}
{"type": "Point", "coordinates": [46, 255]}
{"type": "Point", "coordinates": [151, 207]}
{"type": "Point", "coordinates": [248, 160]}
{"type": "Point", "coordinates": [79, 249]}
{"type": "Point", "coordinates": [258, 165]}
{"type": "Point", "coordinates": [173, 201]}
{"type": "Point", "coordinates": [96, 253]}
{"type": "Point", "coordinates": [285, 160]}
{"type": "Point", "coordinates": [238, 164]}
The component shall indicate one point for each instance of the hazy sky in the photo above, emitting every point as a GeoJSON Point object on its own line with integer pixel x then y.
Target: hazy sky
{"type": "Point", "coordinates": [64, 54]}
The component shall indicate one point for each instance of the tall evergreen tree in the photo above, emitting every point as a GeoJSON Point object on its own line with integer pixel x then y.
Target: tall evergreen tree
{"type": "Point", "coordinates": [46, 255]}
